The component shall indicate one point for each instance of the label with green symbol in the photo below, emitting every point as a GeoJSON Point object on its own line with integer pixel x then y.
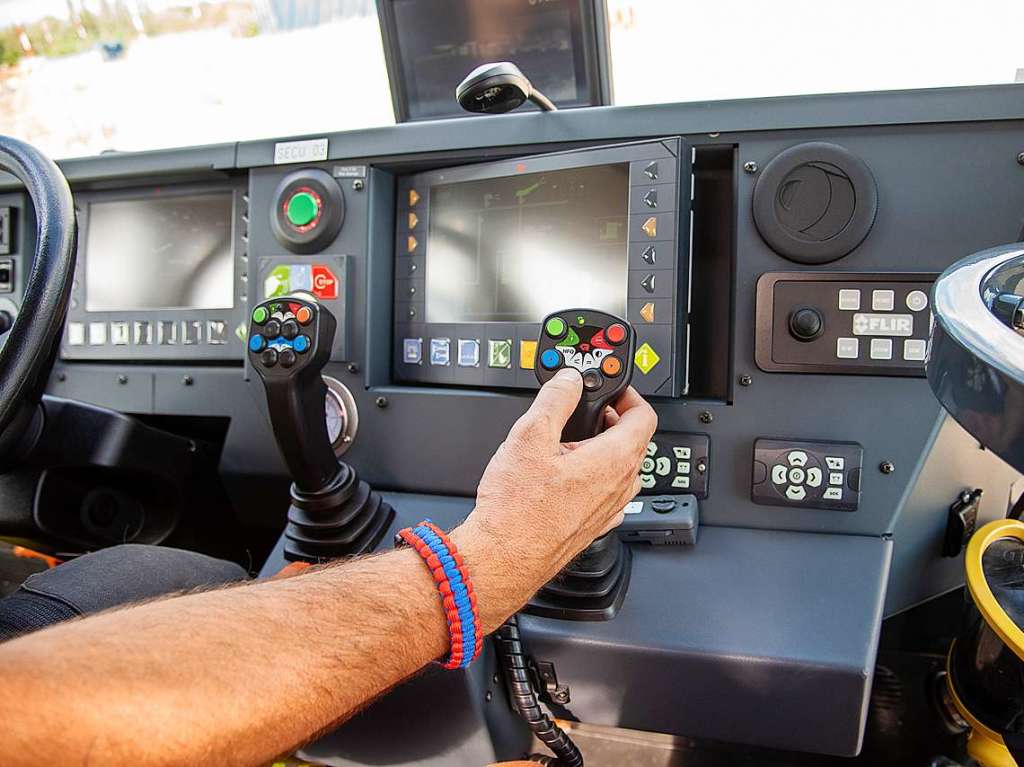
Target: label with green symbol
{"type": "Point", "coordinates": [499, 354]}
{"type": "Point", "coordinates": [278, 282]}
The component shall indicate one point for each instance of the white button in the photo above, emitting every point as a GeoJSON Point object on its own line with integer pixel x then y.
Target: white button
{"type": "Point", "coordinates": [833, 494]}
{"type": "Point", "coordinates": [216, 332]}
{"type": "Point", "coordinates": [97, 333]}
{"type": "Point", "coordinates": [633, 507]}
{"type": "Point", "coordinates": [683, 482]}
{"type": "Point", "coordinates": [882, 300]}
{"type": "Point", "coordinates": [835, 478]}
{"type": "Point", "coordinates": [168, 332]}
{"type": "Point", "coordinates": [835, 463]}
{"type": "Point", "coordinates": [917, 300]}
{"type": "Point", "coordinates": [795, 493]}
{"type": "Point", "coordinates": [914, 349]}
{"type": "Point", "coordinates": [796, 475]}
{"type": "Point", "coordinates": [142, 332]}
{"type": "Point", "coordinates": [797, 458]}
{"type": "Point", "coordinates": [76, 334]}
{"type": "Point", "coordinates": [646, 481]}
{"type": "Point", "coordinates": [849, 300]}
{"type": "Point", "coordinates": [651, 448]}
{"type": "Point", "coordinates": [119, 333]}
{"type": "Point", "coordinates": [881, 348]}
{"type": "Point", "coordinates": [682, 467]}
{"type": "Point", "coordinates": [663, 466]}
{"type": "Point", "coordinates": [779, 474]}
{"type": "Point", "coordinates": [647, 465]}
{"type": "Point", "coordinates": [682, 452]}
{"type": "Point", "coordinates": [847, 348]}
{"type": "Point", "coordinates": [814, 477]}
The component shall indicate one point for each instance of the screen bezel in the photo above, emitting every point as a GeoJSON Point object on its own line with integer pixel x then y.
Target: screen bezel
{"type": "Point", "coordinates": [176, 193]}
{"type": "Point", "coordinates": [77, 312]}
{"type": "Point", "coordinates": [593, 34]}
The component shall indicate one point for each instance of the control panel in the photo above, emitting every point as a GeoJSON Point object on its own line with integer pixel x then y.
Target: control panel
{"type": "Point", "coordinates": [676, 462]}
{"type": "Point", "coordinates": [813, 475]}
{"type": "Point", "coordinates": [815, 322]}
{"type": "Point", "coordinates": [484, 252]}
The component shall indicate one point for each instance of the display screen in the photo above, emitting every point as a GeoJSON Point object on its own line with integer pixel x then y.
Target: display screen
{"type": "Point", "coordinates": [442, 41]}
{"type": "Point", "coordinates": [516, 248]}
{"type": "Point", "coordinates": [171, 252]}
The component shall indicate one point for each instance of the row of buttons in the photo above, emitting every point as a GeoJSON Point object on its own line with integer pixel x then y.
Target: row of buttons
{"type": "Point", "coordinates": [650, 467]}
{"type": "Point", "coordinates": [882, 300]}
{"type": "Point", "coordinates": [499, 352]}
{"type": "Point", "coordinates": [914, 349]}
{"type": "Point", "coordinates": [798, 474]}
{"type": "Point", "coordinates": [167, 333]}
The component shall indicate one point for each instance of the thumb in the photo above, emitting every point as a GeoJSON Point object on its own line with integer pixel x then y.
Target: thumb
{"type": "Point", "coordinates": [551, 409]}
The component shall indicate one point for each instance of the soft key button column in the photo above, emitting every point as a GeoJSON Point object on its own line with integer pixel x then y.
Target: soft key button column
{"type": "Point", "coordinates": [804, 474]}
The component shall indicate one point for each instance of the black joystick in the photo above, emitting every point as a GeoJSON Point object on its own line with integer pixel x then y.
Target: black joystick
{"type": "Point", "coordinates": [600, 346]}
{"type": "Point", "coordinates": [333, 513]}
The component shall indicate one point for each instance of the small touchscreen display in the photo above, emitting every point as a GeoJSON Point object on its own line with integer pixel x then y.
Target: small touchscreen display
{"type": "Point", "coordinates": [160, 253]}
{"type": "Point", "coordinates": [516, 248]}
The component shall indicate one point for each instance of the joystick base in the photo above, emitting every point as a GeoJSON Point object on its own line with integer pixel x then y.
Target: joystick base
{"type": "Point", "coordinates": [591, 588]}
{"type": "Point", "coordinates": [344, 519]}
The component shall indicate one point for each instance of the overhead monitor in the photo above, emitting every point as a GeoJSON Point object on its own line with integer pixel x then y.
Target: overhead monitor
{"type": "Point", "coordinates": [431, 45]}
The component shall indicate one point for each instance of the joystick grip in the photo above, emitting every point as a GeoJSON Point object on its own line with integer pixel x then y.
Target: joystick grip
{"type": "Point", "coordinates": [597, 344]}
{"type": "Point", "coordinates": [289, 342]}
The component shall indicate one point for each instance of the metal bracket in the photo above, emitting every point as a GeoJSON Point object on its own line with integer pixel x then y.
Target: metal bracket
{"type": "Point", "coordinates": [546, 681]}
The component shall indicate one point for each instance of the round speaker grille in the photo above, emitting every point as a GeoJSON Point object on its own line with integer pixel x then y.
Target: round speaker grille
{"type": "Point", "coordinates": [815, 202]}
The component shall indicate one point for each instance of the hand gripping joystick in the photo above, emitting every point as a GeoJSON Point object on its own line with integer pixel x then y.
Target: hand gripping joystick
{"type": "Point", "coordinates": [333, 513]}
{"type": "Point", "coordinates": [600, 346]}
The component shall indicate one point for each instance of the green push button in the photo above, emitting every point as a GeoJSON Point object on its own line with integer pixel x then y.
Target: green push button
{"type": "Point", "coordinates": [302, 208]}
{"type": "Point", "coordinates": [555, 327]}
{"type": "Point", "coordinates": [260, 315]}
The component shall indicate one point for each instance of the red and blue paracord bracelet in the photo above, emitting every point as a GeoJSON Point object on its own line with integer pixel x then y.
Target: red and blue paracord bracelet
{"type": "Point", "coordinates": [455, 587]}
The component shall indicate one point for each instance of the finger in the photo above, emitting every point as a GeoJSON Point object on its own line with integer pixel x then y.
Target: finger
{"type": "Point", "coordinates": [552, 407]}
{"type": "Point", "coordinates": [630, 435]}
{"type": "Point", "coordinates": [610, 417]}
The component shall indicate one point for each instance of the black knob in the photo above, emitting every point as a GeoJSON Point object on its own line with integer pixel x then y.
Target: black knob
{"type": "Point", "coordinates": [806, 324]}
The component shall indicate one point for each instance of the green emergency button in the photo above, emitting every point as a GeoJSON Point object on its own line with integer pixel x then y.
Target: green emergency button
{"type": "Point", "coordinates": [555, 327]}
{"type": "Point", "coordinates": [259, 315]}
{"type": "Point", "coordinates": [302, 208]}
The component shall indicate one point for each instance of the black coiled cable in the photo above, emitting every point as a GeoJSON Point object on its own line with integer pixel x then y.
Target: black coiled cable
{"type": "Point", "coordinates": [517, 677]}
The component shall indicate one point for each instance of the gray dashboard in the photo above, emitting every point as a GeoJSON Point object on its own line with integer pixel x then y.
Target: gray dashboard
{"type": "Point", "coordinates": [948, 184]}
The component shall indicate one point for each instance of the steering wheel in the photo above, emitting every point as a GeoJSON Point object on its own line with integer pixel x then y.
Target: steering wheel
{"type": "Point", "coordinates": [26, 358]}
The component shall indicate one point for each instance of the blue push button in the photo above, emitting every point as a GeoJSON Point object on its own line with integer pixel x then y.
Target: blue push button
{"type": "Point", "coordinates": [256, 343]}
{"type": "Point", "coordinates": [550, 359]}
{"type": "Point", "coordinates": [301, 344]}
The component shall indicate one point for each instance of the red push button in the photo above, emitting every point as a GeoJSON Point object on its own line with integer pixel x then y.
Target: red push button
{"type": "Point", "coordinates": [615, 334]}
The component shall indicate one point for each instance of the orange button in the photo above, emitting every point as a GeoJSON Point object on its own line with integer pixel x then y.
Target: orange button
{"type": "Point", "coordinates": [304, 315]}
{"type": "Point", "coordinates": [611, 366]}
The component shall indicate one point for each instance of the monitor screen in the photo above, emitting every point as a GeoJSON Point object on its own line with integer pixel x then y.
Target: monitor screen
{"type": "Point", "coordinates": [439, 42]}
{"type": "Point", "coordinates": [170, 252]}
{"type": "Point", "coordinates": [516, 248]}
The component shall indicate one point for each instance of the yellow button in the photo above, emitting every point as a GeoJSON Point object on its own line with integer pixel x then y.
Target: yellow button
{"type": "Point", "coordinates": [527, 354]}
{"type": "Point", "coordinates": [413, 220]}
{"type": "Point", "coordinates": [647, 312]}
{"type": "Point", "coordinates": [646, 358]}
{"type": "Point", "coordinates": [411, 243]}
{"type": "Point", "coordinates": [650, 227]}
{"type": "Point", "coordinates": [414, 197]}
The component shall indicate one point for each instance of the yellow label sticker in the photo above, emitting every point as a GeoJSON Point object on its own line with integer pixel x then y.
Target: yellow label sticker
{"type": "Point", "coordinates": [527, 354]}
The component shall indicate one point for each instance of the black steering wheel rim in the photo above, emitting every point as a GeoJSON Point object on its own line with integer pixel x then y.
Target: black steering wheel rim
{"type": "Point", "coordinates": [28, 354]}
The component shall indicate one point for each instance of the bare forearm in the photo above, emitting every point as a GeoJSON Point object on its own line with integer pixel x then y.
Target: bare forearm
{"type": "Point", "coordinates": [235, 676]}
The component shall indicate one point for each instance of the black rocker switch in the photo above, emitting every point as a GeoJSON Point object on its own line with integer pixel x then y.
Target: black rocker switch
{"type": "Point", "coordinates": [600, 346]}
{"type": "Point", "coordinates": [332, 513]}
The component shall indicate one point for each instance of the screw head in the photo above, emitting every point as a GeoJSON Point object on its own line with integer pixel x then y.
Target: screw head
{"type": "Point", "coordinates": [1020, 158]}
{"type": "Point", "coordinates": [381, 402]}
{"type": "Point", "coordinates": [353, 368]}
{"type": "Point", "coordinates": [706, 417]}
{"type": "Point", "coordinates": [701, 467]}
{"type": "Point", "coordinates": [886, 467]}
{"type": "Point", "coordinates": [750, 167]}
{"type": "Point", "coordinates": [122, 378]}
{"type": "Point", "coordinates": [186, 380]}
{"type": "Point", "coordinates": [488, 696]}
{"type": "Point", "coordinates": [746, 380]}
{"type": "Point", "coordinates": [358, 185]}
{"type": "Point", "coordinates": [62, 376]}
{"type": "Point", "coordinates": [561, 696]}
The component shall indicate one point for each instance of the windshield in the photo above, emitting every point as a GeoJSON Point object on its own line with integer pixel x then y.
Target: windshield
{"type": "Point", "coordinates": [79, 77]}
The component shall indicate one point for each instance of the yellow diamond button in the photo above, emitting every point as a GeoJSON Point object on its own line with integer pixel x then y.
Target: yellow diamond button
{"type": "Point", "coordinates": [646, 358]}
